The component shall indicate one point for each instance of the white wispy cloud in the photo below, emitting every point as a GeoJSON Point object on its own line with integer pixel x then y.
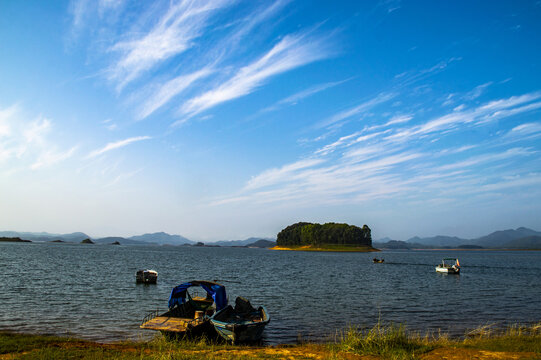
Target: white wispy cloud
{"type": "Point", "coordinates": [493, 110]}
{"type": "Point", "coordinates": [163, 93]}
{"type": "Point", "coordinates": [293, 99]}
{"type": "Point", "coordinates": [338, 143]}
{"type": "Point", "coordinates": [51, 157]}
{"type": "Point", "coordinates": [487, 158]}
{"type": "Point", "coordinates": [110, 125]}
{"type": "Point", "coordinates": [26, 143]}
{"type": "Point", "coordinates": [399, 119]}
{"type": "Point", "coordinates": [512, 101]}
{"type": "Point", "coordinates": [477, 91]}
{"type": "Point", "coordinates": [357, 110]}
{"type": "Point", "coordinates": [36, 130]}
{"type": "Point", "coordinates": [256, 18]}
{"type": "Point", "coordinates": [173, 34]}
{"type": "Point", "coordinates": [116, 145]}
{"type": "Point", "coordinates": [107, 5]}
{"type": "Point", "coordinates": [291, 52]}
{"type": "Point", "coordinates": [526, 129]}
{"type": "Point", "coordinates": [402, 161]}
{"type": "Point", "coordinates": [78, 9]}
{"type": "Point", "coordinates": [273, 176]}
{"type": "Point", "coordinates": [122, 177]}
{"type": "Point", "coordinates": [409, 77]}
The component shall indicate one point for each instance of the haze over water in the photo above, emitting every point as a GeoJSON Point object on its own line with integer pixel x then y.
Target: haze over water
{"type": "Point", "coordinates": [89, 291]}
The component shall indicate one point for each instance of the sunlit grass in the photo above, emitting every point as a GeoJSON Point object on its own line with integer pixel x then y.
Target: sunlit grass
{"type": "Point", "coordinates": [389, 342]}
{"type": "Point", "coordinates": [515, 338]}
{"type": "Point", "coordinates": [383, 341]}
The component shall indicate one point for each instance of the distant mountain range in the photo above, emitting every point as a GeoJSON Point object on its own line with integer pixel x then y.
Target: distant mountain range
{"type": "Point", "coordinates": [521, 238]}
{"type": "Point", "coordinates": [159, 238]}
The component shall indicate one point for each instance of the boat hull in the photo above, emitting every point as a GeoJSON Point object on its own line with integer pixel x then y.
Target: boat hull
{"type": "Point", "coordinates": [445, 270]}
{"type": "Point", "coordinates": [240, 333]}
{"type": "Point", "coordinates": [204, 329]}
{"type": "Point", "coordinates": [247, 331]}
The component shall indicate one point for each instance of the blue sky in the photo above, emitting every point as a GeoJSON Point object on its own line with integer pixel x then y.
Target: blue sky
{"type": "Point", "coordinates": [229, 119]}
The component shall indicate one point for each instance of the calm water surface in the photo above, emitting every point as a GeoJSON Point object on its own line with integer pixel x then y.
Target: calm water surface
{"type": "Point", "coordinates": [89, 291]}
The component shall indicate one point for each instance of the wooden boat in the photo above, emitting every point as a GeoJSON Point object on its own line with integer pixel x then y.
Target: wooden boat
{"type": "Point", "coordinates": [376, 260]}
{"type": "Point", "coordinates": [242, 323]}
{"type": "Point", "coordinates": [447, 268]}
{"type": "Point", "coordinates": [146, 277]}
{"type": "Point", "coordinates": [188, 315]}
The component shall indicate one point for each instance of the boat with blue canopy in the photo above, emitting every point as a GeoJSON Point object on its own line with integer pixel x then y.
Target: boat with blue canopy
{"type": "Point", "coordinates": [188, 315]}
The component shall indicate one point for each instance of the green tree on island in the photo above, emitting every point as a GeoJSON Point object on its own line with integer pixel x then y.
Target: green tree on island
{"type": "Point", "coordinates": [304, 233]}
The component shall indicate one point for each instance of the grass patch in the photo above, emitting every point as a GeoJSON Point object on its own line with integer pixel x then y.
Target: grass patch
{"type": "Point", "coordinates": [392, 342]}
{"type": "Point", "coordinates": [387, 342]}
{"type": "Point", "coordinates": [515, 338]}
{"type": "Point", "coordinates": [15, 343]}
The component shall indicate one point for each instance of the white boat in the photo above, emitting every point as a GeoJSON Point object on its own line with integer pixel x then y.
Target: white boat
{"type": "Point", "coordinates": [446, 267]}
{"type": "Point", "coordinates": [146, 277]}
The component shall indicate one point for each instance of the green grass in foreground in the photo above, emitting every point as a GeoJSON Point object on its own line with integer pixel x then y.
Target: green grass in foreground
{"type": "Point", "coordinates": [382, 341]}
{"type": "Point", "coordinates": [515, 338]}
{"type": "Point", "coordinates": [388, 342]}
{"type": "Point", "coordinates": [394, 342]}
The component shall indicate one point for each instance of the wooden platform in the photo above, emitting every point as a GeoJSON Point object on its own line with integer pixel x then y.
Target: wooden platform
{"type": "Point", "coordinates": [174, 324]}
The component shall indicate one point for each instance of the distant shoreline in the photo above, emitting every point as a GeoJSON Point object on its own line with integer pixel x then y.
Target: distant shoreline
{"type": "Point", "coordinates": [331, 248]}
{"type": "Point", "coordinates": [459, 249]}
{"type": "Point", "coordinates": [13, 239]}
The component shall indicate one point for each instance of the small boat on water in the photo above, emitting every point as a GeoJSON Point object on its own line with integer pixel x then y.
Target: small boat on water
{"type": "Point", "coordinates": [146, 277]}
{"type": "Point", "coordinates": [188, 315]}
{"type": "Point", "coordinates": [447, 268]}
{"type": "Point", "coordinates": [242, 323]}
{"type": "Point", "coordinates": [376, 260]}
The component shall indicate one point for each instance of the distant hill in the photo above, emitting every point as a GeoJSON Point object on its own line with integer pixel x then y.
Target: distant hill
{"type": "Point", "coordinates": [528, 242]}
{"type": "Point", "coordinates": [392, 244]}
{"type": "Point", "coordinates": [245, 242]}
{"type": "Point", "coordinates": [162, 239]}
{"type": "Point", "coordinates": [120, 240]}
{"type": "Point", "coordinates": [501, 238]}
{"type": "Point", "coordinates": [262, 243]}
{"type": "Point", "coordinates": [399, 245]}
{"type": "Point", "coordinates": [43, 236]}
{"type": "Point", "coordinates": [439, 241]}
{"type": "Point", "coordinates": [522, 238]}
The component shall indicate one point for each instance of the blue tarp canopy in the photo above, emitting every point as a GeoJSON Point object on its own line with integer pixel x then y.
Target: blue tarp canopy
{"type": "Point", "coordinates": [214, 290]}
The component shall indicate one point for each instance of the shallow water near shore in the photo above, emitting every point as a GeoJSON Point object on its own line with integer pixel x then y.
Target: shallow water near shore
{"type": "Point", "coordinates": [89, 291]}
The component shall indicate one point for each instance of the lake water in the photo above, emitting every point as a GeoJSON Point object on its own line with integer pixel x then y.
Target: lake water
{"type": "Point", "coordinates": [89, 291]}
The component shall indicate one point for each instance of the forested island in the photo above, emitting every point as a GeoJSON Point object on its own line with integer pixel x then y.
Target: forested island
{"type": "Point", "coordinates": [13, 239]}
{"type": "Point", "coordinates": [326, 237]}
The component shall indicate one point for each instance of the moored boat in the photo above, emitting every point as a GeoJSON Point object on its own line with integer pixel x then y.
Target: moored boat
{"type": "Point", "coordinates": [146, 277]}
{"type": "Point", "coordinates": [188, 315]}
{"type": "Point", "coordinates": [446, 267]}
{"type": "Point", "coordinates": [242, 323]}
